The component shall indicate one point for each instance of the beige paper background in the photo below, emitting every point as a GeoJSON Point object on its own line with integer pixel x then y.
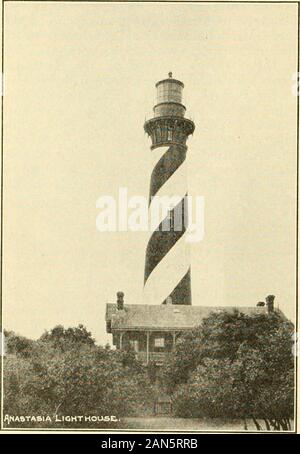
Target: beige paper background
{"type": "Point", "coordinates": [79, 80]}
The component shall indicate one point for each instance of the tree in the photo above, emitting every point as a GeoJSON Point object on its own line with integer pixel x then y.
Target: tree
{"type": "Point", "coordinates": [16, 344]}
{"type": "Point", "coordinates": [65, 373]}
{"type": "Point", "coordinates": [67, 339]}
{"type": "Point", "coordinates": [235, 365]}
{"type": "Point", "coordinates": [209, 392]}
{"type": "Point", "coordinates": [96, 381]}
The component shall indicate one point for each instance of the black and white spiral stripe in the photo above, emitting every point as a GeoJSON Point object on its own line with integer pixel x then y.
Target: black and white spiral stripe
{"type": "Point", "coordinates": [167, 267]}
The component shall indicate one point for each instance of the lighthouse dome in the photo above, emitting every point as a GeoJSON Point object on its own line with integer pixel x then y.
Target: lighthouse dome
{"type": "Point", "coordinates": [169, 98]}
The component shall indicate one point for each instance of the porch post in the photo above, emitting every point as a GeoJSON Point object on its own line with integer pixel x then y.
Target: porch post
{"type": "Point", "coordinates": [147, 361]}
{"type": "Point", "coordinates": [174, 339]}
{"type": "Point", "coordinates": [121, 340]}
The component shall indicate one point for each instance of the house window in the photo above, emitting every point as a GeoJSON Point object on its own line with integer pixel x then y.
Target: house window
{"type": "Point", "coordinates": [159, 342]}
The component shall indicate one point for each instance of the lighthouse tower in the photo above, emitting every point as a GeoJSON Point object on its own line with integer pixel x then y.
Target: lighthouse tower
{"type": "Point", "coordinates": [152, 329]}
{"type": "Point", "coordinates": [167, 276]}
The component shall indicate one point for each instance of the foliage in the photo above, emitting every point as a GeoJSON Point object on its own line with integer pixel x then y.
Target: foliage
{"type": "Point", "coordinates": [15, 344]}
{"type": "Point", "coordinates": [67, 339]}
{"type": "Point", "coordinates": [77, 379]}
{"type": "Point", "coordinates": [235, 365]}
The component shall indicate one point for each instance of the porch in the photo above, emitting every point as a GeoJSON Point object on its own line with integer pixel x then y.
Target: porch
{"type": "Point", "coordinates": [148, 346]}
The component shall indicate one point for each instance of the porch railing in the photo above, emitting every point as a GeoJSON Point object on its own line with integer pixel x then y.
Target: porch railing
{"type": "Point", "coordinates": [157, 357]}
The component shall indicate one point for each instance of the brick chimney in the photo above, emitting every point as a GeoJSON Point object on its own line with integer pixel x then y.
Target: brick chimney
{"type": "Point", "coordinates": [270, 303]}
{"type": "Point", "coordinates": [120, 301]}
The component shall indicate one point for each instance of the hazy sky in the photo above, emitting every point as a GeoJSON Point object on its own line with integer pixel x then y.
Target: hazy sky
{"type": "Point", "coordinates": [79, 80]}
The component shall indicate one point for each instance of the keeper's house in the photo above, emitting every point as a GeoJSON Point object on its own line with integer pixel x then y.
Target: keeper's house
{"type": "Point", "coordinates": [151, 330]}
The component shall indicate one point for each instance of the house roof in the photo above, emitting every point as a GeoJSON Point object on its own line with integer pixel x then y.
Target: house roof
{"type": "Point", "coordinates": [165, 316]}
